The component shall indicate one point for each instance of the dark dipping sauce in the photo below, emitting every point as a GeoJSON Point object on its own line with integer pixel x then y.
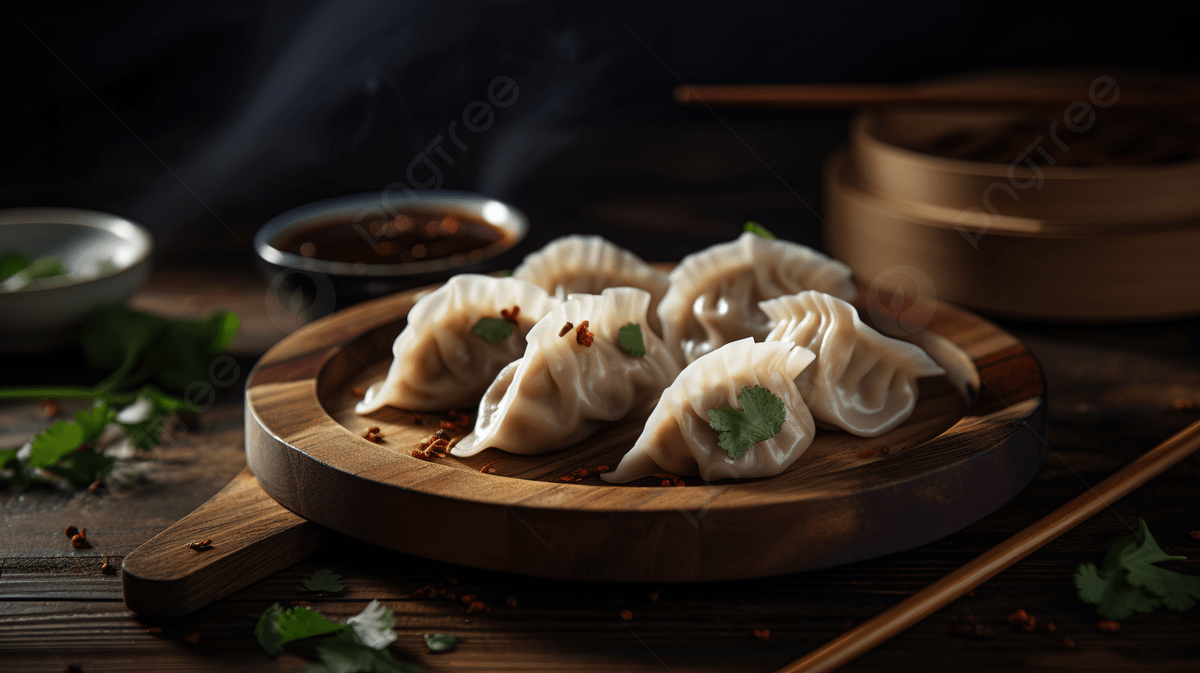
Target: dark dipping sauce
{"type": "Point", "coordinates": [415, 236]}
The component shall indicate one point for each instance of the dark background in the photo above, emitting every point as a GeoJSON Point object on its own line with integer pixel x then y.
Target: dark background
{"type": "Point", "coordinates": [256, 107]}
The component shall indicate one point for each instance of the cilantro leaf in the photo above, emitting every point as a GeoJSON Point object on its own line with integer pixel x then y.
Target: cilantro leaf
{"type": "Point", "coordinates": [11, 263]}
{"type": "Point", "coordinates": [629, 337]}
{"type": "Point", "coordinates": [322, 580]}
{"type": "Point", "coordinates": [65, 437]}
{"type": "Point", "coordinates": [761, 417]}
{"type": "Point", "coordinates": [1127, 581]}
{"type": "Point", "coordinates": [7, 456]}
{"type": "Point", "coordinates": [493, 330]}
{"type": "Point", "coordinates": [343, 654]}
{"type": "Point", "coordinates": [375, 626]}
{"type": "Point", "coordinates": [758, 230]}
{"type": "Point", "coordinates": [278, 627]}
{"type": "Point", "coordinates": [441, 642]}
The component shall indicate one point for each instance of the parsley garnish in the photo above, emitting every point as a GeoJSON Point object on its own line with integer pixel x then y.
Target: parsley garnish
{"type": "Point", "coordinates": [1128, 582]}
{"type": "Point", "coordinates": [629, 337]}
{"type": "Point", "coordinates": [440, 642]}
{"type": "Point", "coordinates": [322, 580]}
{"type": "Point", "coordinates": [761, 417]}
{"type": "Point", "coordinates": [358, 645]}
{"type": "Point", "coordinates": [758, 230]}
{"type": "Point", "coordinates": [493, 330]}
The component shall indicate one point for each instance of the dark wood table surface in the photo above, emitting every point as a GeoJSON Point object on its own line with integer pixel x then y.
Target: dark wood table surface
{"type": "Point", "coordinates": [1113, 394]}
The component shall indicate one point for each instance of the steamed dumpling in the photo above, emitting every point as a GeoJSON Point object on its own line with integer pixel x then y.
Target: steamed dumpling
{"type": "Point", "coordinates": [678, 438]}
{"type": "Point", "coordinates": [439, 363]}
{"type": "Point", "coordinates": [862, 381]}
{"type": "Point", "coordinates": [561, 390]}
{"type": "Point", "coordinates": [589, 264]}
{"type": "Point", "coordinates": [714, 294]}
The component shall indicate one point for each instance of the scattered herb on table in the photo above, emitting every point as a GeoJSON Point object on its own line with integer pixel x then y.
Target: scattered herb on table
{"type": "Point", "coordinates": [758, 230]}
{"type": "Point", "coordinates": [441, 642]}
{"type": "Point", "coordinates": [492, 330]}
{"type": "Point", "coordinates": [629, 337]}
{"type": "Point", "coordinates": [152, 361]}
{"type": "Point", "coordinates": [761, 417]}
{"type": "Point", "coordinates": [1128, 582]}
{"type": "Point", "coordinates": [359, 645]}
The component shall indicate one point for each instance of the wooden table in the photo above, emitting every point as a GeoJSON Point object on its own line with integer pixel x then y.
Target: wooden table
{"type": "Point", "coordinates": [1113, 393]}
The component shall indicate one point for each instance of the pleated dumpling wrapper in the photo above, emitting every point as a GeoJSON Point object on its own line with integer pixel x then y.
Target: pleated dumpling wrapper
{"type": "Point", "coordinates": [590, 264]}
{"type": "Point", "coordinates": [714, 294]}
{"type": "Point", "coordinates": [679, 438]}
{"type": "Point", "coordinates": [862, 381]}
{"type": "Point", "coordinates": [440, 363]}
{"type": "Point", "coordinates": [562, 389]}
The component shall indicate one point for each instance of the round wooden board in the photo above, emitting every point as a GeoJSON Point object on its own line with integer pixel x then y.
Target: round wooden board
{"type": "Point", "coordinates": [950, 464]}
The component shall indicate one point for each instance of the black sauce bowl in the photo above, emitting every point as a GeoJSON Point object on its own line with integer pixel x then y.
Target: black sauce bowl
{"type": "Point", "coordinates": [305, 288]}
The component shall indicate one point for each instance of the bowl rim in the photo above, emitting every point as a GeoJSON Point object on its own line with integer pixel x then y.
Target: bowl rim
{"type": "Point", "coordinates": [123, 228]}
{"type": "Point", "coordinates": [387, 203]}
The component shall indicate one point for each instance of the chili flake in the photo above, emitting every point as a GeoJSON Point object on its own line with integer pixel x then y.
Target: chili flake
{"type": "Point", "coordinates": [566, 328]}
{"type": "Point", "coordinates": [1068, 643]}
{"type": "Point", "coordinates": [488, 469]}
{"type": "Point", "coordinates": [511, 602]}
{"type": "Point", "coordinates": [669, 479]}
{"type": "Point", "coordinates": [582, 336]}
{"type": "Point", "coordinates": [478, 606]}
{"type": "Point", "coordinates": [512, 315]}
{"type": "Point", "coordinates": [762, 634]}
{"type": "Point", "coordinates": [202, 545]}
{"type": "Point", "coordinates": [79, 540]}
{"type": "Point", "coordinates": [884, 450]}
{"type": "Point", "coordinates": [48, 408]}
{"type": "Point", "coordinates": [866, 454]}
{"type": "Point", "coordinates": [358, 392]}
{"type": "Point", "coordinates": [626, 615]}
{"type": "Point", "coordinates": [107, 567]}
{"type": "Point", "coordinates": [71, 531]}
{"type": "Point", "coordinates": [1019, 617]}
{"type": "Point", "coordinates": [582, 473]}
{"type": "Point", "coordinates": [1109, 626]}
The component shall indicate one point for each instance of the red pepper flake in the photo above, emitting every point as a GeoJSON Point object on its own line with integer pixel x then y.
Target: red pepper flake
{"type": "Point", "coordinates": [669, 479]}
{"type": "Point", "coordinates": [358, 392]}
{"type": "Point", "coordinates": [79, 540]}
{"type": "Point", "coordinates": [511, 602]}
{"type": "Point", "coordinates": [1018, 618]}
{"type": "Point", "coordinates": [373, 435]}
{"type": "Point", "coordinates": [512, 315]}
{"type": "Point", "coordinates": [582, 473]}
{"type": "Point", "coordinates": [1067, 643]}
{"type": "Point", "coordinates": [626, 615]}
{"type": "Point", "coordinates": [478, 606]}
{"type": "Point", "coordinates": [95, 486]}
{"type": "Point", "coordinates": [488, 469]}
{"type": "Point", "coordinates": [468, 599]}
{"type": "Point", "coordinates": [1047, 627]}
{"type": "Point", "coordinates": [202, 545]}
{"type": "Point", "coordinates": [458, 421]}
{"type": "Point", "coordinates": [154, 629]}
{"type": "Point", "coordinates": [566, 328]}
{"type": "Point", "coordinates": [884, 450]}
{"type": "Point", "coordinates": [191, 638]}
{"type": "Point", "coordinates": [71, 531]}
{"type": "Point", "coordinates": [762, 634]}
{"type": "Point", "coordinates": [582, 336]}
{"type": "Point", "coordinates": [47, 408]}
{"type": "Point", "coordinates": [654, 596]}
{"type": "Point", "coordinates": [1109, 626]}
{"type": "Point", "coordinates": [107, 568]}
{"type": "Point", "coordinates": [1195, 535]}
{"type": "Point", "coordinates": [1183, 403]}
{"type": "Point", "coordinates": [866, 454]}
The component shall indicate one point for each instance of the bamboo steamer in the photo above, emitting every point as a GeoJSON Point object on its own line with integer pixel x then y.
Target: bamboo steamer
{"type": "Point", "coordinates": [1088, 213]}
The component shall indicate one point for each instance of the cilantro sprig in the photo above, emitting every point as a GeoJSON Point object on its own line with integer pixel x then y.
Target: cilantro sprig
{"type": "Point", "coordinates": [629, 338]}
{"type": "Point", "coordinates": [760, 418]}
{"type": "Point", "coordinates": [758, 230]}
{"type": "Point", "coordinates": [358, 645]}
{"type": "Point", "coordinates": [493, 330]}
{"type": "Point", "coordinates": [322, 580]}
{"type": "Point", "coordinates": [1128, 582]}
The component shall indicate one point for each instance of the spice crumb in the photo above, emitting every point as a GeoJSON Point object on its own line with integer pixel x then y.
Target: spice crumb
{"type": "Point", "coordinates": [1019, 617]}
{"type": "Point", "coordinates": [79, 540]}
{"type": "Point", "coordinates": [95, 486]}
{"type": "Point", "coordinates": [762, 634]}
{"type": "Point", "coordinates": [566, 328]}
{"type": "Point", "coordinates": [884, 450]}
{"type": "Point", "coordinates": [358, 392]}
{"type": "Point", "coordinates": [202, 545]}
{"type": "Point", "coordinates": [583, 337]}
{"type": "Point", "coordinates": [511, 602]}
{"type": "Point", "coordinates": [866, 454]}
{"type": "Point", "coordinates": [512, 315]}
{"type": "Point", "coordinates": [478, 606]}
{"type": "Point", "coordinates": [71, 531]}
{"type": "Point", "coordinates": [107, 568]}
{"type": "Point", "coordinates": [488, 469]}
{"type": "Point", "coordinates": [626, 615]}
{"type": "Point", "coordinates": [1109, 626]}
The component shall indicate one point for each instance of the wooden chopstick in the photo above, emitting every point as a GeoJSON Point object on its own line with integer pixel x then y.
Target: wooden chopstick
{"type": "Point", "coordinates": [849, 96]}
{"type": "Point", "coordinates": [874, 632]}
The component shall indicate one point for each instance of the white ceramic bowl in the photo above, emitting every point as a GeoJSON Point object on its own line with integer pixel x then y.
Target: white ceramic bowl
{"type": "Point", "coordinates": [106, 258]}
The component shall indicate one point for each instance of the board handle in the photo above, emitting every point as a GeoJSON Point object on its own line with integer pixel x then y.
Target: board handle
{"type": "Point", "coordinates": [250, 536]}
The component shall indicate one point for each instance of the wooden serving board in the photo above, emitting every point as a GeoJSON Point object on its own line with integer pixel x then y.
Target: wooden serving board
{"type": "Point", "coordinates": [954, 461]}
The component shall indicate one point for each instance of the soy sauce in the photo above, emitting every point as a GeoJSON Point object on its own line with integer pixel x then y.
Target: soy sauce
{"type": "Point", "coordinates": [414, 236]}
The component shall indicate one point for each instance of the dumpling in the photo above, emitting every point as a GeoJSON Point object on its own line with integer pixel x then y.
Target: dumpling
{"type": "Point", "coordinates": [562, 389]}
{"type": "Point", "coordinates": [439, 363]}
{"type": "Point", "coordinates": [714, 294]}
{"type": "Point", "coordinates": [678, 438]}
{"type": "Point", "coordinates": [589, 264]}
{"type": "Point", "coordinates": [862, 381]}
